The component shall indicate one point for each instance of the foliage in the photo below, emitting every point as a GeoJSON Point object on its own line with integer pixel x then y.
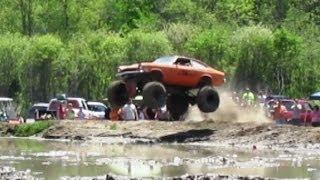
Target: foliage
{"type": "Point", "coordinates": [252, 50]}
{"type": "Point", "coordinates": [95, 57]}
{"type": "Point", "coordinates": [179, 33]}
{"type": "Point", "coordinates": [25, 130]}
{"type": "Point", "coordinates": [210, 45]}
{"type": "Point", "coordinates": [75, 46]}
{"type": "Point", "coordinates": [144, 46]}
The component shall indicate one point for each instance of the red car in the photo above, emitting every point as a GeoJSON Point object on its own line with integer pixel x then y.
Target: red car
{"type": "Point", "coordinates": [301, 107]}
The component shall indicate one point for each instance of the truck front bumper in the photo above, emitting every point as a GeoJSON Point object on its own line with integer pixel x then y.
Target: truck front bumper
{"type": "Point", "coordinates": [129, 74]}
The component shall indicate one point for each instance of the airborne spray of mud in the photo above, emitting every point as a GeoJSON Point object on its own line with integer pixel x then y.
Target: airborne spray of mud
{"type": "Point", "coordinates": [228, 111]}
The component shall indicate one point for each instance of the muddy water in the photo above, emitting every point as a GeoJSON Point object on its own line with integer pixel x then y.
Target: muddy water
{"type": "Point", "coordinates": [63, 160]}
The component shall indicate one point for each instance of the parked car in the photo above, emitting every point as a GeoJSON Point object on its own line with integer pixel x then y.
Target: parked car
{"type": "Point", "coordinates": [303, 108]}
{"type": "Point", "coordinates": [101, 110]}
{"type": "Point", "coordinates": [76, 102]}
{"type": "Point", "coordinates": [275, 97]}
{"type": "Point", "coordinates": [7, 109]}
{"type": "Point", "coordinates": [38, 110]}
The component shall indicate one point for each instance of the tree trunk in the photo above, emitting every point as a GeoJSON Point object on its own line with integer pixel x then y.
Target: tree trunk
{"type": "Point", "coordinates": [23, 16]}
{"type": "Point", "coordinates": [66, 16]}
{"type": "Point", "coordinates": [29, 17]}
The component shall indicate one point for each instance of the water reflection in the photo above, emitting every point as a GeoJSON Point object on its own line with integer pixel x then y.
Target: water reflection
{"type": "Point", "coordinates": [57, 159]}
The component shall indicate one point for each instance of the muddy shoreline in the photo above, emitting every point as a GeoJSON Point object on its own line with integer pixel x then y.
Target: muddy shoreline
{"type": "Point", "coordinates": [266, 135]}
{"type": "Point", "coordinates": [217, 133]}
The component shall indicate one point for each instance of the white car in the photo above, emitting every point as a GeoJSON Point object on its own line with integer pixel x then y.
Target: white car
{"type": "Point", "coordinates": [99, 108]}
{"type": "Point", "coordinates": [77, 103]}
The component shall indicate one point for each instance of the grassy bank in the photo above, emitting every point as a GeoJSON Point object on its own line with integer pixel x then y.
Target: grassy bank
{"type": "Point", "coordinates": [25, 130]}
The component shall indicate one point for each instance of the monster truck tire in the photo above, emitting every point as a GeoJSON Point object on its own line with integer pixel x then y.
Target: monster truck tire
{"type": "Point", "coordinates": [177, 105]}
{"type": "Point", "coordinates": [208, 99]}
{"type": "Point", "coordinates": [154, 95]}
{"type": "Point", "coordinates": [117, 94]}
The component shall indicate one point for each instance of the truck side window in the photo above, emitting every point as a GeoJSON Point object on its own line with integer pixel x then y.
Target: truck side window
{"type": "Point", "coordinates": [183, 62]}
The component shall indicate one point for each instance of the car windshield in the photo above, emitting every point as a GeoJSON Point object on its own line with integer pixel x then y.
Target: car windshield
{"type": "Point", "coordinates": [54, 104]}
{"type": "Point", "coordinates": [165, 60]}
{"type": "Point", "coordinates": [96, 108]}
{"type": "Point", "coordinates": [289, 104]}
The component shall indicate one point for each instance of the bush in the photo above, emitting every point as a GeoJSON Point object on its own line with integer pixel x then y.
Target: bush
{"type": "Point", "coordinates": [179, 33]}
{"type": "Point", "coordinates": [95, 57]}
{"type": "Point", "coordinates": [209, 46]}
{"type": "Point", "coordinates": [252, 51]}
{"type": "Point", "coordinates": [144, 46]}
{"type": "Point", "coordinates": [25, 130]}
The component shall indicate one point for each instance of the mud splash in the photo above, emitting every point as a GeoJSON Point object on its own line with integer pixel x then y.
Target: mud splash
{"type": "Point", "coordinates": [228, 111]}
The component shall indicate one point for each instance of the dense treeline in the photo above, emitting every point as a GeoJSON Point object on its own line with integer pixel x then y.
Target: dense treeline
{"type": "Point", "coordinates": [74, 46]}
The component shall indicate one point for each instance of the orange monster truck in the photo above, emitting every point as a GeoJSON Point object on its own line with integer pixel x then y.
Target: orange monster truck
{"type": "Point", "coordinates": [174, 81]}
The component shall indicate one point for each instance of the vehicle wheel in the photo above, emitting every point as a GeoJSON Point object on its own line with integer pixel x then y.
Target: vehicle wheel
{"type": "Point", "coordinates": [154, 95]}
{"type": "Point", "coordinates": [208, 99]}
{"type": "Point", "coordinates": [177, 105]}
{"type": "Point", "coordinates": [117, 94]}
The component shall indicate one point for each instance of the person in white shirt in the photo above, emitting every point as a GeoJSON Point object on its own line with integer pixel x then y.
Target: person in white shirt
{"type": "Point", "coordinates": [129, 111]}
{"type": "Point", "coordinates": [162, 113]}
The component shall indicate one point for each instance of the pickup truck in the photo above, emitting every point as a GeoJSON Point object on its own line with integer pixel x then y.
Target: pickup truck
{"type": "Point", "coordinates": [77, 103]}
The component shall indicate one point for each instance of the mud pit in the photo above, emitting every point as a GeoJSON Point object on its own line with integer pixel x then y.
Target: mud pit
{"type": "Point", "coordinates": [52, 159]}
{"type": "Point", "coordinates": [218, 145]}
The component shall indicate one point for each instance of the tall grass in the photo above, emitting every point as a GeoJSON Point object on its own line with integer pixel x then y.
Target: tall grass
{"type": "Point", "coordinates": [25, 130]}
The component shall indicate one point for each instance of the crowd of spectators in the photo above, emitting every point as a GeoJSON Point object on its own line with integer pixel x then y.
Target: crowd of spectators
{"type": "Point", "coordinates": [131, 112]}
{"type": "Point", "coordinates": [280, 109]}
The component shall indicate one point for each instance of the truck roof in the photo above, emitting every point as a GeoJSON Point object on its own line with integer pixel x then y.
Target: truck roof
{"type": "Point", "coordinates": [5, 99]}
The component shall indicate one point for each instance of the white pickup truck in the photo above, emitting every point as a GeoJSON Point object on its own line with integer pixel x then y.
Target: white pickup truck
{"type": "Point", "coordinates": [77, 103]}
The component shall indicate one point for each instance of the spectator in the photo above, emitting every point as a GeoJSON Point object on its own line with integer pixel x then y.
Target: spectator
{"type": "Point", "coordinates": [162, 113]}
{"type": "Point", "coordinates": [107, 113]}
{"type": "Point", "coordinates": [248, 97]}
{"type": "Point", "coordinates": [279, 114]}
{"type": "Point", "coordinates": [114, 114]}
{"type": "Point", "coordinates": [141, 113]}
{"type": "Point", "coordinates": [61, 112]}
{"type": "Point", "coordinates": [261, 98]}
{"type": "Point", "coordinates": [69, 111]}
{"type": "Point", "coordinates": [315, 117]}
{"type": "Point", "coordinates": [129, 111]}
{"type": "Point", "coordinates": [81, 114]}
{"type": "Point", "coordinates": [149, 113]}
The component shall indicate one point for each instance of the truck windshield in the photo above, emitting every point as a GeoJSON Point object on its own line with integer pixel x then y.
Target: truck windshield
{"type": "Point", "coordinates": [165, 60]}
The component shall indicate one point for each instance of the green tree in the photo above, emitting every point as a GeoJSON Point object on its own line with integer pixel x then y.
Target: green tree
{"type": "Point", "coordinates": [41, 71]}
{"type": "Point", "coordinates": [179, 33]}
{"type": "Point", "coordinates": [11, 51]}
{"type": "Point", "coordinates": [251, 53]}
{"type": "Point", "coordinates": [95, 57]}
{"type": "Point", "coordinates": [144, 46]}
{"type": "Point", "coordinates": [210, 45]}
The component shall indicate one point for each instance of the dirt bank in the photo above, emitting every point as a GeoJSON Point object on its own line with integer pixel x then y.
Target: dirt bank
{"type": "Point", "coordinates": [209, 132]}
